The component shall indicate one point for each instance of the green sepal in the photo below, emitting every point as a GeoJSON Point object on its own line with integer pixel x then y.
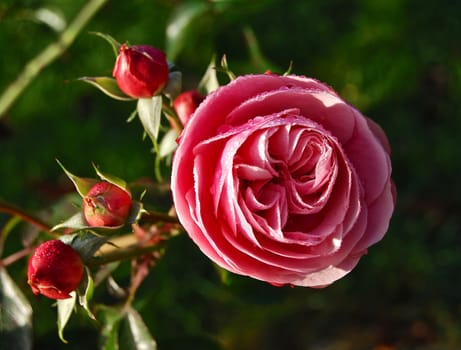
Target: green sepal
{"type": "Point", "coordinates": [136, 210]}
{"type": "Point", "coordinates": [289, 69]}
{"type": "Point", "coordinates": [168, 143]}
{"type": "Point", "coordinates": [108, 86]}
{"type": "Point", "coordinates": [225, 68]}
{"type": "Point", "coordinates": [150, 113]}
{"type": "Point", "coordinates": [77, 222]}
{"type": "Point", "coordinates": [209, 81]}
{"type": "Point", "coordinates": [114, 43]}
{"type": "Point", "coordinates": [111, 179]}
{"type": "Point", "coordinates": [82, 184]}
{"type": "Point", "coordinates": [65, 308]}
{"type": "Point", "coordinates": [85, 292]}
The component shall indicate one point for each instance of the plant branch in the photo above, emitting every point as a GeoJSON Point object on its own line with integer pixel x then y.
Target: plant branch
{"type": "Point", "coordinates": [154, 217]}
{"type": "Point", "coordinates": [12, 210]}
{"type": "Point", "coordinates": [125, 253]}
{"type": "Point", "coordinates": [48, 55]}
{"type": "Point", "coordinates": [15, 256]}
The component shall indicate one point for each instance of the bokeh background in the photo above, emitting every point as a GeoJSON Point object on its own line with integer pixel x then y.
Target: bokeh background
{"type": "Point", "coordinates": [398, 61]}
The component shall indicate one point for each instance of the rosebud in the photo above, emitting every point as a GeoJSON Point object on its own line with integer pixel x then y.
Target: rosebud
{"type": "Point", "coordinates": [186, 103]}
{"type": "Point", "coordinates": [106, 204]}
{"type": "Point", "coordinates": [55, 269]}
{"type": "Point", "coordinates": [141, 71]}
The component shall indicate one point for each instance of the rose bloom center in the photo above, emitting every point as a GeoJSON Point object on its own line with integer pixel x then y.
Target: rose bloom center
{"type": "Point", "coordinates": [283, 175]}
{"type": "Point", "coordinates": [272, 174]}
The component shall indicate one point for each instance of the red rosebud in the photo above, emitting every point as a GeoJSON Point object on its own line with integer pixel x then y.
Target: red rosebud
{"type": "Point", "coordinates": [55, 269]}
{"type": "Point", "coordinates": [106, 204]}
{"type": "Point", "coordinates": [141, 71]}
{"type": "Point", "coordinates": [186, 103]}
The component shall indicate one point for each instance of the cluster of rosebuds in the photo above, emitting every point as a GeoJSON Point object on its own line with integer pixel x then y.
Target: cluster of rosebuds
{"type": "Point", "coordinates": [57, 268]}
{"type": "Point", "coordinates": [141, 72]}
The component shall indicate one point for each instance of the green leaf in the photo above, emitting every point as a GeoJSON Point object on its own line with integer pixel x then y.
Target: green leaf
{"type": "Point", "coordinates": [78, 223]}
{"type": "Point", "coordinates": [85, 292]}
{"type": "Point", "coordinates": [65, 308]}
{"type": "Point", "coordinates": [86, 244]}
{"type": "Point", "coordinates": [15, 315]}
{"type": "Point", "coordinates": [181, 25]}
{"type": "Point", "coordinates": [111, 317]}
{"type": "Point", "coordinates": [82, 184]}
{"type": "Point", "coordinates": [114, 43]}
{"type": "Point", "coordinates": [107, 85]}
{"type": "Point", "coordinates": [7, 228]}
{"type": "Point", "coordinates": [168, 143]}
{"type": "Point", "coordinates": [150, 113]}
{"type": "Point", "coordinates": [111, 178]}
{"type": "Point", "coordinates": [135, 334]}
{"type": "Point", "coordinates": [209, 81]}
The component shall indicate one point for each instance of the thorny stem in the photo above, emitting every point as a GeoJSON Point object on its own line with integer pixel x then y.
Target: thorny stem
{"type": "Point", "coordinates": [48, 55]}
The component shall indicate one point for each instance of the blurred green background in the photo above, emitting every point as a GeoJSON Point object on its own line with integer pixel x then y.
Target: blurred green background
{"type": "Point", "coordinates": [398, 61]}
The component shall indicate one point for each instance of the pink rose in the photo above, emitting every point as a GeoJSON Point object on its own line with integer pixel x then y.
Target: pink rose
{"type": "Point", "coordinates": [279, 179]}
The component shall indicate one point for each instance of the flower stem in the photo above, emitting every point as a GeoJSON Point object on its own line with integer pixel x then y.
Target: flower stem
{"type": "Point", "coordinates": [48, 55]}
